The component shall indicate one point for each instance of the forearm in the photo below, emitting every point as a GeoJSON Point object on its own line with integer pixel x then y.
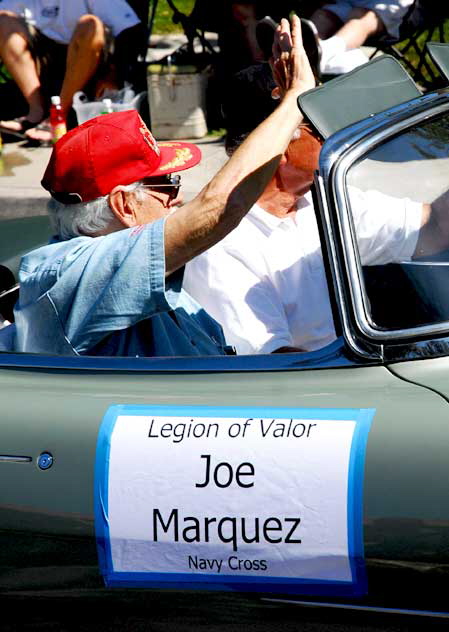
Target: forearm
{"type": "Point", "coordinates": [237, 186]}
{"type": "Point", "coordinates": [260, 153]}
{"type": "Point", "coordinates": [362, 24]}
{"type": "Point", "coordinates": [434, 233]}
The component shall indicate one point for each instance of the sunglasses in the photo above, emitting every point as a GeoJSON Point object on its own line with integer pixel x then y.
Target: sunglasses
{"type": "Point", "coordinates": [168, 184]}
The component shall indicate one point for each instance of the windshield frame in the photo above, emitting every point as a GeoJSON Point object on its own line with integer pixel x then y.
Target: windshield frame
{"type": "Point", "coordinates": [339, 154]}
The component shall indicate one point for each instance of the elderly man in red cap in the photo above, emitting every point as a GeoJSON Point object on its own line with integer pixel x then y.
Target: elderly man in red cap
{"type": "Point", "coordinates": [111, 283]}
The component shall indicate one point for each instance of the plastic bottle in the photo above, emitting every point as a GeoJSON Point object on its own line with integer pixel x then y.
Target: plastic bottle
{"type": "Point", "coordinates": [107, 106]}
{"type": "Point", "coordinates": [57, 120]}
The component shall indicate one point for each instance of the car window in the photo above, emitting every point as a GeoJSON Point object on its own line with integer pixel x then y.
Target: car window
{"type": "Point", "coordinates": [404, 266]}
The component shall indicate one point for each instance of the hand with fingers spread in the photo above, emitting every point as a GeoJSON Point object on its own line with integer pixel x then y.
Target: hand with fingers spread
{"type": "Point", "coordinates": [290, 65]}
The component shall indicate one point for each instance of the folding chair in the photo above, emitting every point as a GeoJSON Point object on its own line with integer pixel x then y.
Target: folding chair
{"type": "Point", "coordinates": [424, 22]}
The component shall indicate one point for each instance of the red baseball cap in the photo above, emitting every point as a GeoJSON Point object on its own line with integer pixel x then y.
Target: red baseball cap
{"type": "Point", "coordinates": [108, 150]}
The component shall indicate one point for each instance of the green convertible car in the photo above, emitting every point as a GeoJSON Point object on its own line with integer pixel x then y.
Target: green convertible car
{"type": "Point", "coordinates": [232, 488]}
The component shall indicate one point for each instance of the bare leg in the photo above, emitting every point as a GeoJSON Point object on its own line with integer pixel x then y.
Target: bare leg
{"type": "Point", "coordinates": [361, 24]}
{"type": "Point", "coordinates": [340, 42]}
{"type": "Point", "coordinates": [83, 57]}
{"type": "Point", "coordinates": [327, 23]}
{"type": "Point", "coordinates": [15, 53]}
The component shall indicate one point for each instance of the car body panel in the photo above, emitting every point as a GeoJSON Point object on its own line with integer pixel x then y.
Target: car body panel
{"type": "Point", "coordinates": [431, 373]}
{"type": "Point", "coordinates": [402, 497]}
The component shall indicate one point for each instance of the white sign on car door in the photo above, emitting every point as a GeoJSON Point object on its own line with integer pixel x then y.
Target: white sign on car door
{"type": "Point", "coordinates": [257, 499]}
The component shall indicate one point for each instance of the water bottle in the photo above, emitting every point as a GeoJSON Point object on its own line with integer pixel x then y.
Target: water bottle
{"type": "Point", "coordinates": [107, 106]}
{"type": "Point", "coordinates": [57, 120]}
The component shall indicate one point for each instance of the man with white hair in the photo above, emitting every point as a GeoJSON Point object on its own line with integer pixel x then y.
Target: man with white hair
{"type": "Point", "coordinates": [111, 283]}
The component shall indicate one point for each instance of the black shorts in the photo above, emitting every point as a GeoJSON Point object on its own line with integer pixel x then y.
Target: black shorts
{"type": "Point", "coordinates": [51, 56]}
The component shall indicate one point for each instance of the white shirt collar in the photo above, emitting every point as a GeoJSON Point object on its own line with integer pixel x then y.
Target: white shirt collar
{"type": "Point", "coordinates": [269, 223]}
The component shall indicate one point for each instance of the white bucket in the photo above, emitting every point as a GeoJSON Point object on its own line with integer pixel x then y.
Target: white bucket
{"type": "Point", "coordinates": [177, 105]}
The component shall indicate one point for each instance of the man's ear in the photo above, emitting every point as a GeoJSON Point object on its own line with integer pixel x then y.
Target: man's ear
{"type": "Point", "coordinates": [120, 202]}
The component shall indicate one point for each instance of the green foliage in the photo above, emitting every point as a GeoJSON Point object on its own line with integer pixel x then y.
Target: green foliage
{"type": "Point", "coordinates": [4, 74]}
{"type": "Point", "coordinates": [413, 57]}
{"type": "Point", "coordinates": [217, 133]}
{"type": "Point", "coordinates": [163, 22]}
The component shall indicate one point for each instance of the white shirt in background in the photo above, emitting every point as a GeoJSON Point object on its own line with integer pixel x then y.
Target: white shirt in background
{"type": "Point", "coordinates": [265, 282]}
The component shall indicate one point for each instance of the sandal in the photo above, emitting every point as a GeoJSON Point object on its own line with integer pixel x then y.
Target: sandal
{"type": "Point", "coordinates": [20, 125]}
{"type": "Point", "coordinates": [43, 137]}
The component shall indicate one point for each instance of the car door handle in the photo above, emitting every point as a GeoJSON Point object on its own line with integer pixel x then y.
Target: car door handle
{"type": "Point", "coordinates": [14, 458]}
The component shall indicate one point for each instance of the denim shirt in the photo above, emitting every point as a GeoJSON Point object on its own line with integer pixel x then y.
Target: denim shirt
{"type": "Point", "coordinates": [109, 296]}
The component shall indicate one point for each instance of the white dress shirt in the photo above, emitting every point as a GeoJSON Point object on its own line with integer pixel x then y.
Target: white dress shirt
{"type": "Point", "coordinates": [266, 284]}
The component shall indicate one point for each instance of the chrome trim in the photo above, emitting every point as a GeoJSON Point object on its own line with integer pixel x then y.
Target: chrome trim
{"type": "Point", "coordinates": [348, 606]}
{"type": "Point", "coordinates": [337, 279]}
{"type": "Point", "coordinates": [335, 355]}
{"type": "Point", "coordinates": [416, 350]}
{"type": "Point", "coordinates": [12, 289]}
{"type": "Point", "coordinates": [8, 458]}
{"type": "Point", "coordinates": [338, 154]}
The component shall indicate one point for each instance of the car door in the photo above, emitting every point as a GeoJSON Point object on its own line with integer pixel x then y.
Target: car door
{"type": "Point", "coordinates": [54, 409]}
{"type": "Point", "coordinates": [397, 305]}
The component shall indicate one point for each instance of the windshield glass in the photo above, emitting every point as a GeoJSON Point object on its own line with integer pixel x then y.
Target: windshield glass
{"type": "Point", "coordinates": [399, 201]}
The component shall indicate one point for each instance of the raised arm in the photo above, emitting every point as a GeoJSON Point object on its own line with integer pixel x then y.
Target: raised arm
{"type": "Point", "coordinates": [220, 206]}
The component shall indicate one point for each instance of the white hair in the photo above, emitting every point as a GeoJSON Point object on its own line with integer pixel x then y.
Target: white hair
{"type": "Point", "coordinates": [85, 218]}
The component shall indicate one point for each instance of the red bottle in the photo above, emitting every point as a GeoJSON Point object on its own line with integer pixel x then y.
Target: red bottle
{"type": "Point", "coordinates": [57, 120]}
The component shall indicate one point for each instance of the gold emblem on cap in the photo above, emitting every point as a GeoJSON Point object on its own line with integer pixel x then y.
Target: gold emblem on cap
{"type": "Point", "coordinates": [181, 157]}
{"type": "Point", "coordinates": [148, 137]}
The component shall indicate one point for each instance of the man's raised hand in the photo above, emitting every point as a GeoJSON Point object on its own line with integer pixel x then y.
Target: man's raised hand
{"type": "Point", "coordinates": [290, 65]}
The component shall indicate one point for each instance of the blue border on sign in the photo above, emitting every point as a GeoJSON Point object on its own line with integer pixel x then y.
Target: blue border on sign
{"type": "Point", "coordinates": [248, 583]}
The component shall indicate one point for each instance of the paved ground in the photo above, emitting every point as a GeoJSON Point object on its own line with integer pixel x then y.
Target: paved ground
{"type": "Point", "coordinates": [22, 167]}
